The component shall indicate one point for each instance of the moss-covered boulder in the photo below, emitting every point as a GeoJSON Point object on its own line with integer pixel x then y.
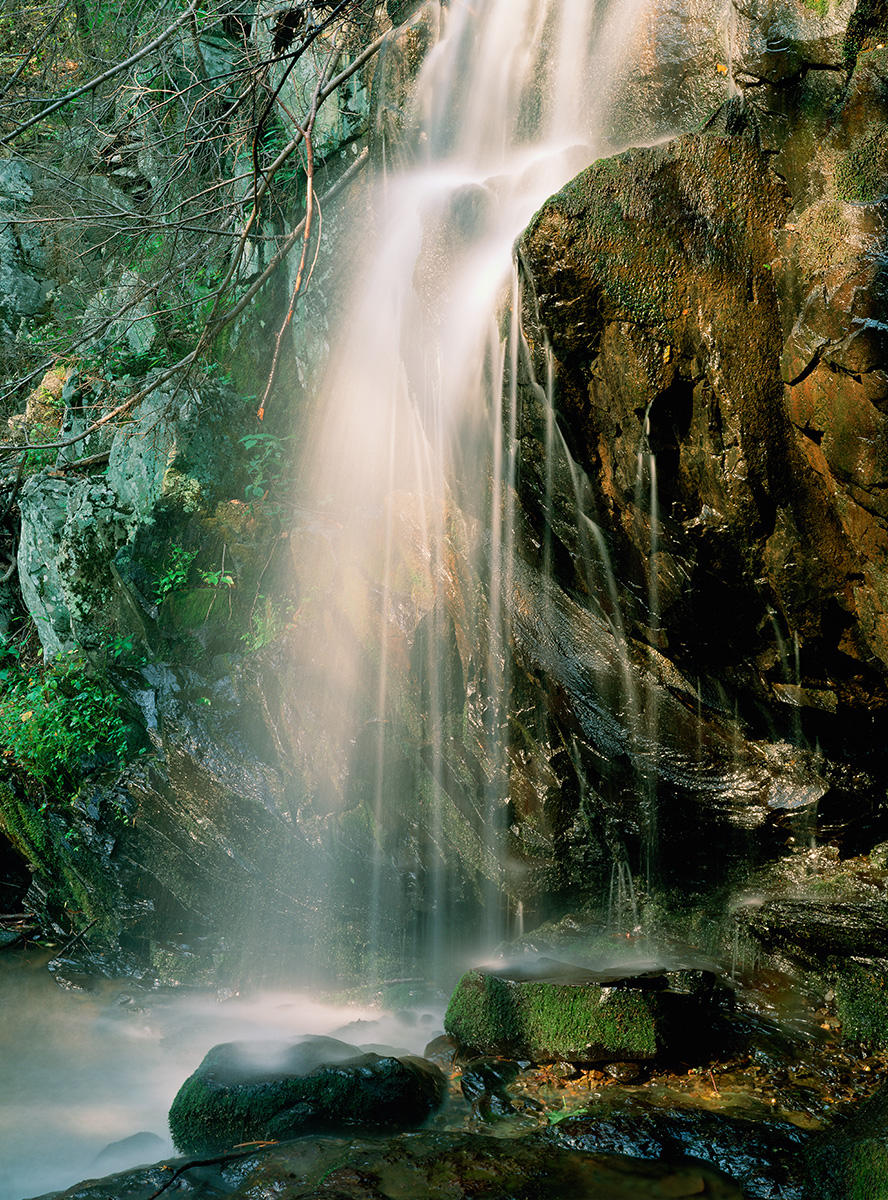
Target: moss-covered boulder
{"type": "Point", "coordinates": [849, 1159]}
{"type": "Point", "coordinates": [259, 1091]}
{"type": "Point", "coordinates": [587, 1018]}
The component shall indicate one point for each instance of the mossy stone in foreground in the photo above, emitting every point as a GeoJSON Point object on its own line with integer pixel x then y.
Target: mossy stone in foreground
{"type": "Point", "coordinates": [258, 1091]}
{"type": "Point", "coordinates": [547, 1020]}
{"type": "Point", "coordinates": [849, 1159]}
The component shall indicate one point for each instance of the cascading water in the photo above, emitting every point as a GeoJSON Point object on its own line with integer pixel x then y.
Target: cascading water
{"type": "Point", "coordinates": [412, 462]}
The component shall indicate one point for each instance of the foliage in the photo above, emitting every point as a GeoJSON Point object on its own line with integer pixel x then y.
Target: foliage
{"type": "Point", "coordinates": [175, 573]}
{"type": "Point", "coordinates": [267, 620]}
{"type": "Point", "coordinates": [267, 455]}
{"type": "Point", "coordinates": [55, 719]}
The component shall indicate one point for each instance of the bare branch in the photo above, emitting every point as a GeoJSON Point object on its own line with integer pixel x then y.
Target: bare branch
{"type": "Point", "coordinates": [117, 69]}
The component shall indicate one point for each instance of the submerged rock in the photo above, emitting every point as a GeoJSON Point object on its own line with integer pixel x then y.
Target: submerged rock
{"type": "Point", "coordinates": [574, 1015]}
{"type": "Point", "coordinates": [258, 1091]}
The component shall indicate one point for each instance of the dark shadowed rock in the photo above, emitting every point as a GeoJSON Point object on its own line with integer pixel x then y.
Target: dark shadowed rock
{"type": "Point", "coordinates": [764, 1157]}
{"type": "Point", "coordinates": [256, 1091]}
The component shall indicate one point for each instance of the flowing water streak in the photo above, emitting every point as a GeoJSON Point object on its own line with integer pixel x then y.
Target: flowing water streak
{"type": "Point", "coordinates": [417, 416]}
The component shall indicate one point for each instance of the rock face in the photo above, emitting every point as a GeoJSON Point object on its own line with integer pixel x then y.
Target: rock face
{"type": "Point", "coordinates": [257, 1091]}
{"type": "Point", "coordinates": [714, 307]}
{"type": "Point", "coordinates": [177, 456]}
{"type": "Point", "coordinates": [576, 1016]}
{"type": "Point", "coordinates": [24, 286]}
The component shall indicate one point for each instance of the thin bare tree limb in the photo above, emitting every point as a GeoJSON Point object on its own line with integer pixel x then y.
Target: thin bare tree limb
{"type": "Point", "coordinates": [111, 73]}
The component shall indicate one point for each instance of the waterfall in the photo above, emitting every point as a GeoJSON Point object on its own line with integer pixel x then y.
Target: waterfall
{"type": "Point", "coordinates": [408, 477]}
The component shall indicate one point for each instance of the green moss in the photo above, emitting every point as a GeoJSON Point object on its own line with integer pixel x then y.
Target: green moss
{"type": "Point", "coordinates": [824, 237]}
{"type": "Point", "coordinates": [862, 175]}
{"type": "Point", "coordinates": [542, 1020]}
{"type": "Point", "coordinates": [190, 609]}
{"type": "Point", "coordinates": [320, 1082]}
{"type": "Point", "coordinates": [862, 1003]}
{"type": "Point", "coordinates": [868, 24]}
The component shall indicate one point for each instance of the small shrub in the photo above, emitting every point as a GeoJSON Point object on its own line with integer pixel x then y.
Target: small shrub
{"type": "Point", "coordinates": [55, 720]}
{"type": "Point", "coordinates": [175, 573]}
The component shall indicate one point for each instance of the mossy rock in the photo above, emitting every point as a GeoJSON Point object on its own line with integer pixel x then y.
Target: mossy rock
{"type": "Point", "coordinates": [868, 25]}
{"type": "Point", "coordinates": [547, 1020]}
{"type": "Point", "coordinates": [862, 174]}
{"type": "Point", "coordinates": [260, 1091]}
{"type": "Point", "coordinates": [849, 1159]}
{"type": "Point", "coordinates": [862, 1001]}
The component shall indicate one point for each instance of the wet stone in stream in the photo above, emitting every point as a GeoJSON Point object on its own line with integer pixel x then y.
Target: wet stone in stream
{"type": "Point", "coordinates": [424, 1166]}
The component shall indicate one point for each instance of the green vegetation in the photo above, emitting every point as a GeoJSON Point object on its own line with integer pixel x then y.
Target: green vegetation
{"type": "Point", "coordinates": [549, 1021]}
{"type": "Point", "coordinates": [862, 1003]}
{"type": "Point", "coordinates": [862, 175]}
{"type": "Point", "coordinates": [57, 720]}
{"type": "Point", "coordinates": [176, 570]}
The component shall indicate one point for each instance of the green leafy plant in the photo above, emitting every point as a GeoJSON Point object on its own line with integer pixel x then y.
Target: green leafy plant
{"type": "Point", "coordinates": [216, 579]}
{"type": "Point", "coordinates": [56, 719]}
{"type": "Point", "coordinates": [175, 574]}
{"type": "Point", "coordinates": [265, 463]}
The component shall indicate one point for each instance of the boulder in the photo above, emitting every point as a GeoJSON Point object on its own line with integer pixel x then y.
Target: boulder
{"type": "Point", "coordinates": [849, 1159]}
{"type": "Point", "coordinates": [764, 1157]}
{"type": "Point", "coordinates": [559, 1014]}
{"type": "Point", "coordinates": [257, 1091]}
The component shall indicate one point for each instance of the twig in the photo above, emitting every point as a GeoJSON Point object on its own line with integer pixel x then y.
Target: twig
{"type": "Point", "coordinates": [714, 1084]}
{"type": "Point", "coordinates": [76, 938]}
{"type": "Point", "coordinates": [233, 1156]}
{"type": "Point", "coordinates": [91, 461]}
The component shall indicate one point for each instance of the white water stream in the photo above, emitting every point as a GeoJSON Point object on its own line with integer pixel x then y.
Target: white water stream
{"type": "Point", "coordinates": [412, 457]}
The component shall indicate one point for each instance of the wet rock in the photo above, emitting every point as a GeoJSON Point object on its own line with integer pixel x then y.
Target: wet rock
{"type": "Point", "coordinates": [486, 1075]}
{"type": "Point", "coordinates": [574, 1015]}
{"type": "Point", "coordinates": [778, 42]}
{"type": "Point", "coordinates": [431, 1166]}
{"type": "Point", "coordinates": [440, 1051]}
{"type": "Point", "coordinates": [811, 932]}
{"type": "Point", "coordinates": [764, 1157]}
{"type": "Point", "coordinates": [845, 944]}
{"type": "Point", "coordinates": [245, 1091]}
{"type": "Point", "coordinates": [625, 1072]}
